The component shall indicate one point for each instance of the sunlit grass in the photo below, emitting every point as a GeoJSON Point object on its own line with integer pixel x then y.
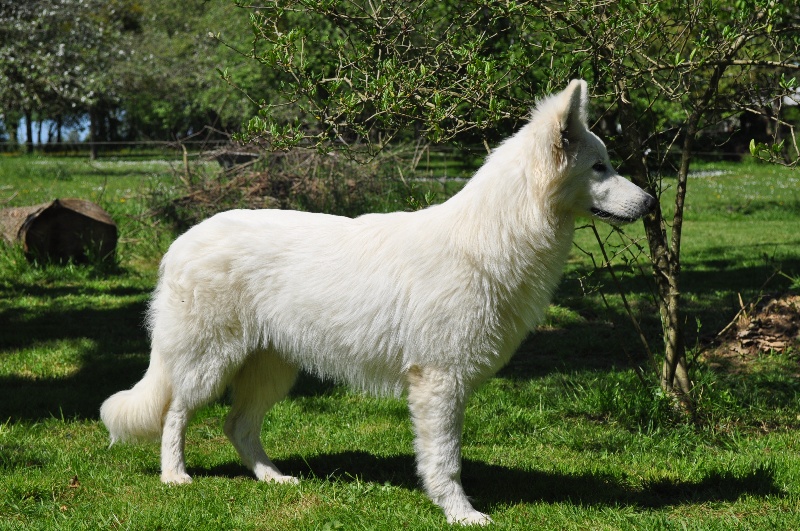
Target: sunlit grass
{"type": "Point", "coordinates": [566, 437]}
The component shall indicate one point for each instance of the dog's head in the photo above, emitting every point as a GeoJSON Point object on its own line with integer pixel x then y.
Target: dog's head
{"type": "Point", "coordinates": [584, 179]}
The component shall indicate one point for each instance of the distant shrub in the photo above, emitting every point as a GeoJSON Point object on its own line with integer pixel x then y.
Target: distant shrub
{"type": "Point", "coordinates": [299, 179]}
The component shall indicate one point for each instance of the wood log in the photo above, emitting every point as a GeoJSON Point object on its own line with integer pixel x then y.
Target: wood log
{"type": "Point", "coordinates": [62, 230]}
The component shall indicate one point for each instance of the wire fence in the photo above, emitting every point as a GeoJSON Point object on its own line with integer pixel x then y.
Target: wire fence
{"type": "Point", "coordinates": [115, 149]}
{"type": "Point", "coordinates": [177, 149]}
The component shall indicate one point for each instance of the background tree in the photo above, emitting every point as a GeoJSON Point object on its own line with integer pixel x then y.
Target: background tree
{"type": "Point", "coordinates": [174, 88]}
{"type": "Point", "coordinates": [59, 57]}
{"type": "Point", "coordinates": [365, 72]}
{"type": "Point", "coordinates": [359, 74]}
{"type": "Point", "coordinates": [138, 69]}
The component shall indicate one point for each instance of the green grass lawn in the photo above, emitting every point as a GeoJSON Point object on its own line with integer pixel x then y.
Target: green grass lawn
{"type": "Point", "coordinates": [565, 437]}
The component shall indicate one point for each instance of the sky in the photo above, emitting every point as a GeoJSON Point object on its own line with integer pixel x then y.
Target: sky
{"type": "Point", "coordinates": [82, 130]}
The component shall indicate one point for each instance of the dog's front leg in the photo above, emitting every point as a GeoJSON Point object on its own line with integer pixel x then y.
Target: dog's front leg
{"type": "Point", "coordinates": [436, 399]}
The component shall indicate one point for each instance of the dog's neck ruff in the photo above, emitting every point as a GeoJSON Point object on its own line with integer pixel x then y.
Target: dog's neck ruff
{"type": "Point", "coordinates": [508, 224]}
{"type": "Point", "coordinates": [514, 206]}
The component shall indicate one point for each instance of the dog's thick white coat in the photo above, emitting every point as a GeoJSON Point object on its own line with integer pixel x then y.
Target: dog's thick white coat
{"type": "Point", "coordinates": [429, 303]}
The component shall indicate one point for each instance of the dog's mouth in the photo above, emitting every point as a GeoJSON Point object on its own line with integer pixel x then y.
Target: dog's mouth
{"type": "Point", "coordinates": [608, 217]}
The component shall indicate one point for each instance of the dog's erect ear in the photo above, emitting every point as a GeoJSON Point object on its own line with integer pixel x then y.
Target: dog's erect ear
{"type": "Point", "coordinates": [562, 118]}
{"type": "Point", "coordinates": [573, 121]}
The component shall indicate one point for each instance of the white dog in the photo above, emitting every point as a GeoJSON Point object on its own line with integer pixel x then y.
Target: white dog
{"type": "Point", "coordinates": [428, 303]}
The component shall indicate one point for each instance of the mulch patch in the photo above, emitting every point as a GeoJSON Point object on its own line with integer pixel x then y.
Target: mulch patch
{"type": "Point", "coordinates": [771, 325]}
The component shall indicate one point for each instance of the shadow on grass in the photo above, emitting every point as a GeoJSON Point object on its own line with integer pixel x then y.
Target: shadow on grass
{"type": "Point", "coordinates": [110, 344]}
{"type": "Point", "coordinates": [603, 338]}
{"type": "Point", "coordinates": [119, 350]}
{"type": "Point", "coordinates": [490, 485]}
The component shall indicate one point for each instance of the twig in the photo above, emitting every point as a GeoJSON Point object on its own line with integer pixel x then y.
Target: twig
{"type": "Point", "coordinates": [10, 198]}
{"type": "Point", "coordinates": [627, 307]}
{"type": "Point", "coordinates": [743, 308]}
{"type": "Point", "coordinates": [187, 175]}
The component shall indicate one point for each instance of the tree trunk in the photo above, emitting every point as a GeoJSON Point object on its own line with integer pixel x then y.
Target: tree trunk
{"type": "Point", "coordinates": [28, 131]}
{"type": "Point", "coordinates": [13, 127]}
{"type": "Point", "coordinates": [674, 376]}
{"type": "Point", "coordinates": [92, 134]}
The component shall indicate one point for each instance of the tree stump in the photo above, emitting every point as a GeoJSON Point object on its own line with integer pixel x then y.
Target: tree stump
{"type": "Point", "coordinates": [61, 230]}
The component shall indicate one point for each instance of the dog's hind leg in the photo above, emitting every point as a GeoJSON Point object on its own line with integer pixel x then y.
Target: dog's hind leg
{"type": "Point", "coordinates": [263, 380]}
{"type": "Point", "coordinates": [173, 440]}
{"type": "Point", "coordinates": [437, 399]}
{"type": "Point", "coordinates": [191, 389]}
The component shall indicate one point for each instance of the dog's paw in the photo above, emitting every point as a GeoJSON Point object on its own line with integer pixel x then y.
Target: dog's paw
{"type": "Point", "coordinates": [272, 474]}
{"type": "Point", "coordinates": [175, 478]}
{"type": "Point", "coordinates": [469, 518]}
{"type": "Point", "coordinates": [288, 480]}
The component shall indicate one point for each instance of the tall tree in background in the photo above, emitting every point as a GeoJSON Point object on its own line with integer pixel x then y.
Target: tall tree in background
{"type": "Point", "coordinates": [174, 84]}
{"type": "Point", "coordinates": [356, 75]}
{"type": "Point", "coordinates": [139, 69]}
{"type": "Point", "coordinates": [59, 57]}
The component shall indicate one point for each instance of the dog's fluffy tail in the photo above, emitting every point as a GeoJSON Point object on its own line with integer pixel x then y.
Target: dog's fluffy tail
{"type": "Point", "coordinates": [136, 414]}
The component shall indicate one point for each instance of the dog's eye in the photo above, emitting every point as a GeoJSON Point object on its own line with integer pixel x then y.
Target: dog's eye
{"type": "Point", "coordinates": [599, 167]}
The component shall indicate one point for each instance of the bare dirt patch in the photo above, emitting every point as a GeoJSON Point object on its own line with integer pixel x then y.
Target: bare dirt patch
{"type": "Point", "coordinates": [771, 325]}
